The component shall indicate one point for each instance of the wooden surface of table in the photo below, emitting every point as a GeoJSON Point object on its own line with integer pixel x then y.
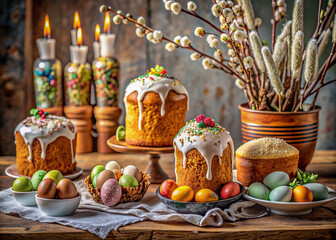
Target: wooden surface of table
{"type": "Point", "coordinates": [320, 224]}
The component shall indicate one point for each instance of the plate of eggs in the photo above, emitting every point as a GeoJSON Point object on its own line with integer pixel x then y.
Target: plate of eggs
{"type": "Point", "coordinates": [283, 197]}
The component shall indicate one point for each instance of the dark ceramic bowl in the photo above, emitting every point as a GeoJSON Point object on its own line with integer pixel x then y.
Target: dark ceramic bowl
{"type": "Point", "coordinates": [196, 207]}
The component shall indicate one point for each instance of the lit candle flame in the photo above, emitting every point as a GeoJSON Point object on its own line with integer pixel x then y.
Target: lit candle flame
{"type": "Point", "coordinates": [97, 32]}
{"type": "Point", "coordinates": [79, 36]}
{"type": "Point", "coordinates": [107, 23]}
{"type": "Point", "coordinates": [46, 30]}
{"type": "Point", "coordinates": [76, 23]}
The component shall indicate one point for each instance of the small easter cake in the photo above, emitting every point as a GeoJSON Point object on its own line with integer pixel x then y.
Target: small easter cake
{"type": "Point", "coordinates": [45, 142]}
{"type": "Point", "coordinates": [203, 155]}
{"type": "Point", "coordinates": [156, 104]}
{"type": "Point", "coordinates": [257, 158]}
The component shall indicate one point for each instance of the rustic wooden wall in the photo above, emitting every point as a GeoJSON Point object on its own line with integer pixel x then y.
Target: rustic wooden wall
{"type": "Point", "coordinates": [212, 93]}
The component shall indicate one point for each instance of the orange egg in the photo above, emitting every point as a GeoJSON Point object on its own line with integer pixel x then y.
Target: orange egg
{"type": "Point", "coordinates": [183, 194]}
{"type": "Point", "coordinates": [206, 195]}
{"type": "Point", "coordinates": [302, 194]}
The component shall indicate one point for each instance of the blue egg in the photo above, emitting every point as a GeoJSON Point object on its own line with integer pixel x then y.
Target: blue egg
{"type": "Point", "coordinates": [258, 190]}
{"type": "Point", "coordinates": [276, 179]}
{"type": "Point", "coordinates": [320, 192]}
{"type": "Point", "coordinates": [47, 71]}
{"type": "Point", "coordinates": [281, 194]}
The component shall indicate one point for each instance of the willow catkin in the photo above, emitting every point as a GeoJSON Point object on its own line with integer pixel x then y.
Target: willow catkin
{"type": "Point", "coordinates": [297, 18]}
{"type": "Point", "coordinates": [310, 63]}
{"type": "Point", "coordinates": [248, 14]}
{"type": "Point", "coordinates": [323, 43]}
{"type": "Point", "coordinates": [272, 70]}
{"type": "Point", "coordinates": [286, 30]}
{"type": "Point", "coordinates": [297, 53]}
{"type": "Point", "coordinates": [280, 50]}
{"type": "Point", "coordinates": [256, 46]}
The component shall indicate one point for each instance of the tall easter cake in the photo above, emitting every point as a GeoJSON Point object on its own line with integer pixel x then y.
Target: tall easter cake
{"type": "Point", "coordinates": [45, 142]}
{"type": "Point", "coordinates": [156, 104]}
{"type": "Point", "coordinates": [203, 155]}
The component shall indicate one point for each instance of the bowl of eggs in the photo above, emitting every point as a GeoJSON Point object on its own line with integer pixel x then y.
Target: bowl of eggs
{"type": "Point", "coordinates": [283, 197]}
{"type": "Point", "coordinates": [183, 199]}
{"type": "Point", "coordinates": [111, 184]}
{"type": "Point", "coordinates": [24, 192]}
{"type": "Point", "coordinates": [56, 196]}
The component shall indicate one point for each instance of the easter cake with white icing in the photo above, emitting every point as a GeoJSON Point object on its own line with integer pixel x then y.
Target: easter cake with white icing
{"type": "Point", "coordinates": [45, 142]}
{"type": "Point", "coordinates": [156, 104]}
{"type": "Point", "coordinates": [203, 155]}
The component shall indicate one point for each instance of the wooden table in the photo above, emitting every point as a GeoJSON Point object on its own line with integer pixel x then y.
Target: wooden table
{"type": "Point", "coordinates": [320, 224]}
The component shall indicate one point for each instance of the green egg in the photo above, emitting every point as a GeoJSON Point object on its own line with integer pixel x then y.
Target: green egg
{"type": "Point", "coordinates": [320, 192]}
{"type": "Point", "coordinates": [94, 181]}
{"type": "Point", "coordinates": [97, 169]}
{"type": "Point", "coordinates": [37, 178]}
{"type": "Point", "coordinates": [281, 194]}
{"type": "Point", "coordinates": [258, 190]}
{"type": "Point", "coordinates": [128, 181]}
{"type": "Point", "coordinates": [276, 179]}
{"type": "Point", "coordinates": [22, 184]}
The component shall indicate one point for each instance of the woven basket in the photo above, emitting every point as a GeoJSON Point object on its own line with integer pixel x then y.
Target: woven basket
{"type": "Point", "coordinates": [129, 194]}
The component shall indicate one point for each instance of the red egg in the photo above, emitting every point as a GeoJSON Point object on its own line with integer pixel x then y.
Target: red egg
{"type": "Point", "coordinates": [47, 189]}
{"type": "Point", "coordinates": [230, 189]}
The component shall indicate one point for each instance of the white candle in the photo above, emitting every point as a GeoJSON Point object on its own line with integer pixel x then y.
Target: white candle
{"type": "Point", "coordinates": [78, 54]}
{"type": "Point", "coordinates": [107, 45]}
{"type": "Point", "coordinates": [46, 48]}
{"type": "Point", "coordinates": [73, 37]}
{"type": "Point", "coordinates": [96, 50]}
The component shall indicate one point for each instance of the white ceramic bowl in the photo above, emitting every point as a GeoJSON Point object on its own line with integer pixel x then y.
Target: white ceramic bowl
{"type": "Point", "coordinates": [24, 198]}
{"type": "Point", "coordinates": [58, 207]}
{"type": "Point", "coordinates": [292, 208]}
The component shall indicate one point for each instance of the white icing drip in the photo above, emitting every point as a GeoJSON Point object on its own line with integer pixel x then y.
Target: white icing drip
{"type": "Point", "coordinates": [213, 144]}
{"type": "Point", "coordinates": [46, 131]}
{"type": "Point", "coordinates": [158, 84]}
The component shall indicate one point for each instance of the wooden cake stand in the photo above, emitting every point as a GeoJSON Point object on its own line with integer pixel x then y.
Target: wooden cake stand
{"type": "Point", "coordinates": [153, 167]}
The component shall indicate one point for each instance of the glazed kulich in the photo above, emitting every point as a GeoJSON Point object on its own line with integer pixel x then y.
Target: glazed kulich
{"type": "Point", "coordinates": [156, 104]}
{"type": "Point", "coordinates": [257, 158]}
{"type": "Point", "coordinates": [203, 155]}
{"type": "Point", "coordinates": [45, 144]}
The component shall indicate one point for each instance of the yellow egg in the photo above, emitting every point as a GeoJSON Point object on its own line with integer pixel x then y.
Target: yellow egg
{"type": "Point", "coordinates": [206, 195]}
{"type": "Point", "coordinates": [183, 194]}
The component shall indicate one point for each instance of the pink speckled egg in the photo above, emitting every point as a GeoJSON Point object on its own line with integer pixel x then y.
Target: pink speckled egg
{"type": "Point", "coordinates": [110, 192]}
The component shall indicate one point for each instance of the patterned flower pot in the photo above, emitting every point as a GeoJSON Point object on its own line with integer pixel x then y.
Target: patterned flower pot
{"type": "Point", "coordinates": [299, 129]}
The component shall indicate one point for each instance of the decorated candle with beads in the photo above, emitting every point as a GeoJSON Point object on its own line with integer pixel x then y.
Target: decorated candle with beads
{"type": "Point", "coordinates": [47, 72]}
{"type": "Point", "coordinates": [203, 154]}
{"type": "Point", "coordinates": [48, 82]}
{"type": "Point", "coordinates": [106, 80]}
{"type": "Point", "coordinates": [77, 79]}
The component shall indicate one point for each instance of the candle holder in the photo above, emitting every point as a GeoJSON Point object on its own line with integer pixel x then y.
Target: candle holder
{"type": "Point", "coordinates": [48, 78]}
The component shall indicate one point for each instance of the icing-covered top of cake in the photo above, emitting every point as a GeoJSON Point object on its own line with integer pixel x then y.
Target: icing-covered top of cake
{"type": "Point", "coordinates": [155, 80]}
{"type": "Point", "coordinates": [205, 135]}
{"type": "Point", "coordinates": [46, 129]}
{"type": "Point", "coordinates": [266, 148]}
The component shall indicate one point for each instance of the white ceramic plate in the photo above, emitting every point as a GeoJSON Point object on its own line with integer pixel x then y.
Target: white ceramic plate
{"type": "Point", "coordinates": [13, 172]}
{"type": "Point", "coordinates": [292, 208]}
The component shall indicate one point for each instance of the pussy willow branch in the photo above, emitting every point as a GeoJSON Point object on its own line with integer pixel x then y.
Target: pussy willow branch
{"type": "Point", "coordinates": [224, 68]}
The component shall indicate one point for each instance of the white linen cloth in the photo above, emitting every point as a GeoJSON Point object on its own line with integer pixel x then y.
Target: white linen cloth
{"type": "Point", "coordinates": [100, 219]}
